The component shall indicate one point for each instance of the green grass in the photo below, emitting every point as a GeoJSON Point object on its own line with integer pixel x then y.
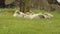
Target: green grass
{"type": "Point", "coordinates": [17, 25]}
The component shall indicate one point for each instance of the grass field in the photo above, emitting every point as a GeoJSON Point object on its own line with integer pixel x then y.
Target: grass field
{"type": "Point", "coordinates": [17, 25]}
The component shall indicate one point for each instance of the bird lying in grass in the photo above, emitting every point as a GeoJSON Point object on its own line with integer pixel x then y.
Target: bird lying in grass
{"type": "Point", "coordinates": [31, 16]}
